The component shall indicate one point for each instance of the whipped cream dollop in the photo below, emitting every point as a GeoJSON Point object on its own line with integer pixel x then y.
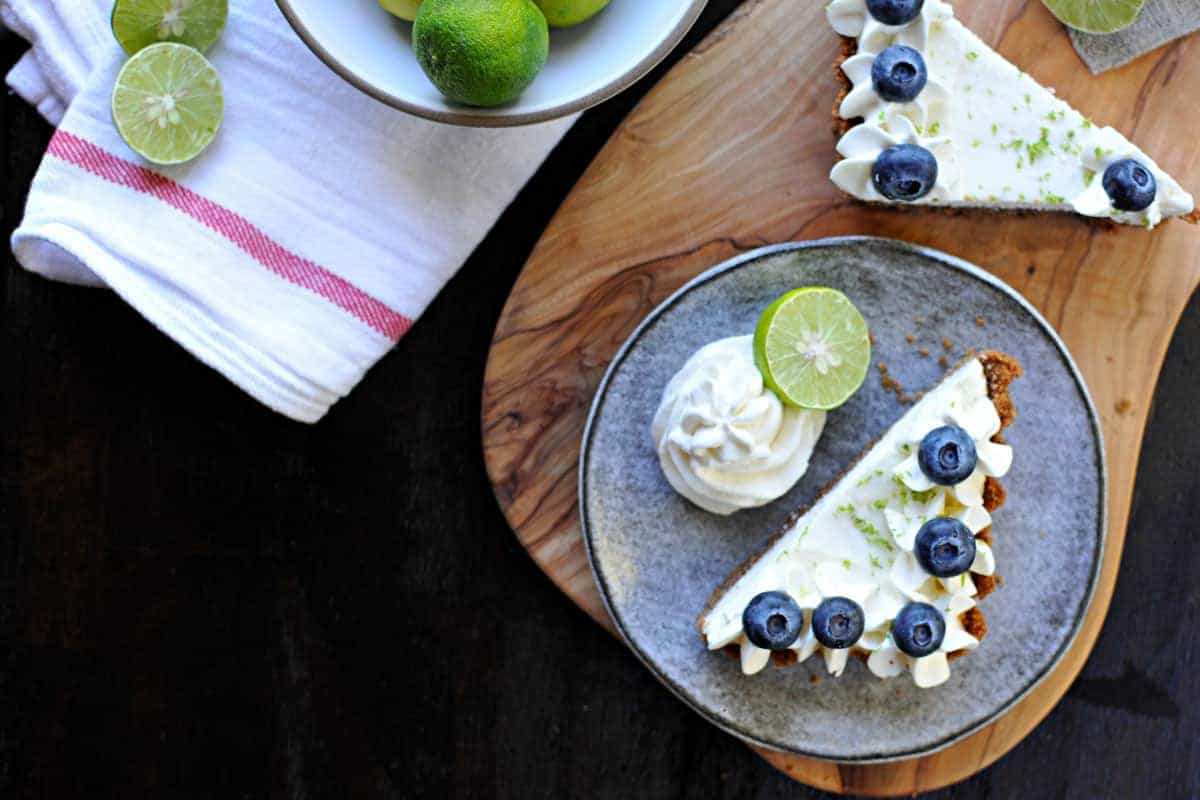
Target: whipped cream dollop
{"type": "Point", "coordinates": [851, 18]}
{"type": "Point", "coordinates": [1108, 146]}
{"type": "Point", "coordinates": [857, 542]}
{"type": "Point", "coordinates": [864, 101]}
{"type": "Point", "coordinates": [724, 439]}
{"type": "Point", "coordinates": [1001, 139]}
{"type": "Point", "coordinates": [862, 144]}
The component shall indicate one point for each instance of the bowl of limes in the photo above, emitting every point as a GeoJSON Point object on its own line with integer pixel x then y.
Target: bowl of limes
{"type": "Point", "coordinates": [491, 63]}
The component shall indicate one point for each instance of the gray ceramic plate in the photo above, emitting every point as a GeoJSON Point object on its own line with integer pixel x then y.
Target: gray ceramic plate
{"type": "Point", "coordinates": [657, 558]}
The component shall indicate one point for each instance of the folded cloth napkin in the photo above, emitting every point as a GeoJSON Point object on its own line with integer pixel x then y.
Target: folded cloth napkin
{"type": "Point", "coordinates": [301, 246]}
{"type": "Point", "coordinates": [1160, 22]}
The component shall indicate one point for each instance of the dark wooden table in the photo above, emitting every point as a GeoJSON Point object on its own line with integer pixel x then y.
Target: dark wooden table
{"type": "Point", "coordinates": [199, 598]}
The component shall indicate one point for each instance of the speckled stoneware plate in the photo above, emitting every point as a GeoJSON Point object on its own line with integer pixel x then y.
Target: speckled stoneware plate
{"type": "Point", "coordinates": [657, 558]}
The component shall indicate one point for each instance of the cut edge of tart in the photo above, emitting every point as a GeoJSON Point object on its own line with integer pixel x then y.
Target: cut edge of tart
{"type": "Point", "coordinates": [719, 623]}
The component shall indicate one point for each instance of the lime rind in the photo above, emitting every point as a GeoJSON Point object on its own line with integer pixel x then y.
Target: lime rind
{"type": "Point", "coordinates": [168, 103]}
{"type": "Point", "coordinates": [813, 348]}
{"type": "Point", "coordinates": [1096, 16]}
{"type": "Point", "coordinates": [137, 24]}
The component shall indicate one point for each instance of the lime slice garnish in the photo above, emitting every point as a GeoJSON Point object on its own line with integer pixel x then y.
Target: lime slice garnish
{"type": "Point", "coordinates": [141, 23]}
{"type": "Point", "coordinates": [167, 103]}
{"type": "Point", "coordinates": [1096, 16]}
{"type": "Point", "coordinates": [813, 348]}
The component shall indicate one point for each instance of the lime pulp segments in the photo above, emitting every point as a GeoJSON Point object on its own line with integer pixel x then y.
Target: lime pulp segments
{"type": "Point", "coordinates": [813, 348]}
{"type": "Point", "coordinates": [167, 104]}
{"type": "Point", "coordinates": [1096, 16]}
{"type": "Point", "coordinates": [140, 23]}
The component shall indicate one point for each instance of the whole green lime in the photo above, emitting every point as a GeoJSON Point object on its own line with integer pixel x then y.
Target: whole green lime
{"type": "Point", "coordinates": [481, 52]}
{"type": "Point", "coordinates": [565, 13]}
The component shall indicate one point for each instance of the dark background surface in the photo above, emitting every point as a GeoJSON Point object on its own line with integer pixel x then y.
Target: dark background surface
{"type": "Point", "coordinates": [199, 598]}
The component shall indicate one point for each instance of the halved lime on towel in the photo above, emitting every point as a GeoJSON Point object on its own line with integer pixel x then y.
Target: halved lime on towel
{"type": "Point", "coordinates": [813, 348]}
{"type": "Point", "coordinates": [141, 23]}
{"type": "Point", "coordinates": [167, 104]}
{"type": "Point", "coordinates": [1096, 16]}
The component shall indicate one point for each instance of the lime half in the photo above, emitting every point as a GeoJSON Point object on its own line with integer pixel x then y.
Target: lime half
{"type": "Point", "coordinates": [141, 23]}
{"type": "Point", "coordinates": [167, 104]}
{"type": "Point", "coordinates": [813, 348]}
{"type": "Point", "coordinates": [1096, 16]}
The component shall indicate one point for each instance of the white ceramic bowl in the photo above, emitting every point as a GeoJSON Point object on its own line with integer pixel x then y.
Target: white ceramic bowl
{"type": "Point", "coordinates": [588, 63]}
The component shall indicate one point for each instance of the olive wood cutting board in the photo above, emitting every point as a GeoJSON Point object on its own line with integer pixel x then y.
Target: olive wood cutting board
{"type": "Point", "coordinates": [731, 151]}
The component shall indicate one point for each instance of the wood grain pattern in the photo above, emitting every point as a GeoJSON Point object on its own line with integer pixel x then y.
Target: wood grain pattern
{"type": "Point", "coordinates": [730, 152]}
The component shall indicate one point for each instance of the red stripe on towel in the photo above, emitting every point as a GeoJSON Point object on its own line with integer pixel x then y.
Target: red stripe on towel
{"type": "Point", "coordinates": [237, 229]}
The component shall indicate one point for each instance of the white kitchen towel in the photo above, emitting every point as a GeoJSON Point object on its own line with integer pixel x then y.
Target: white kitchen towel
{"type": "Point", "coordinates": [301, 246]}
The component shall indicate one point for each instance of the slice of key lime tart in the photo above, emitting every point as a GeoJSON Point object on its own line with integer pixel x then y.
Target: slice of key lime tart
{"type": "Point", "coordinates": [889, 562]}
{"type": "Point", "coordinates": [930, 115]}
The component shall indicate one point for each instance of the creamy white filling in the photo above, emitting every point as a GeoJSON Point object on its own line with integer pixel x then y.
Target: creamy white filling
{"type": "Point", "coordinates": [724, 440]}
{"type": "Point", "coordinates": [1007, 141]}
{"type": "Point", "coordinates": [856, 541]}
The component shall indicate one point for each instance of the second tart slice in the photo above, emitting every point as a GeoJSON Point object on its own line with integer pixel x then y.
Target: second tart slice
{"type": "Point", "coordinates": [931, 115]}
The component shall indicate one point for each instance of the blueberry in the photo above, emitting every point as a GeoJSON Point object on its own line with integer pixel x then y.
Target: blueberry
{"type": "Point", "coordinates": [895, 12]}
{"type": "Point", "coordinates": [773, 621]}
{"type": "Point", "coordinates": [1129, 184]}
{"type": "Point", "coordinates": [899, 74]}
{"type": "Point", "coordinates": [905, 172]}
{"type": "Point", "coordinates": [918, 629]}
{"type": "Point", "coordinates": [947, 455]}
{"type": "Point", "coordinates": [837, 622]}
{"type": "Point", "coordinates": [945, 547]}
